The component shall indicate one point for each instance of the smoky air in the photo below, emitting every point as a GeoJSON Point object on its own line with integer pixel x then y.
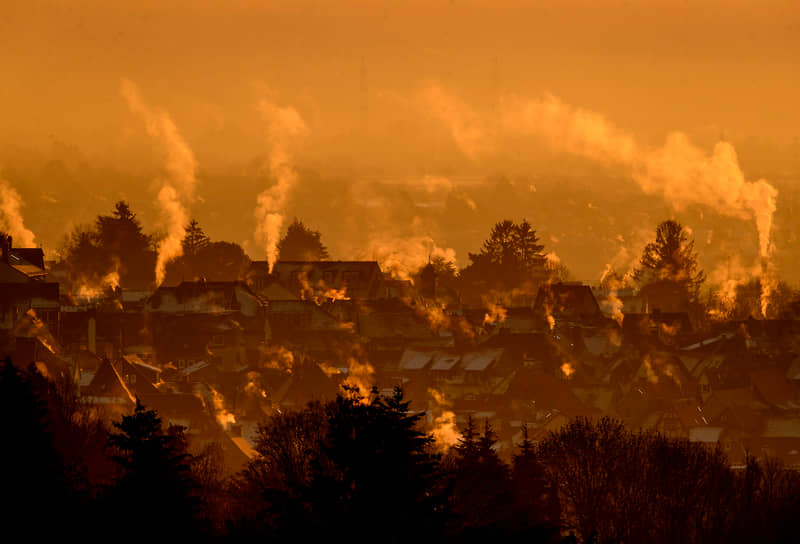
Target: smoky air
{"type": "Point", "coordinates": [396, 271]}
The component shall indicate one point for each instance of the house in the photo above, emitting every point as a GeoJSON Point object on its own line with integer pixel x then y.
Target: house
{"type": "Point", "coordinates": [668, 327]}
{"type": "Point", "coordinates": [24, 287]}
{"type": "Point", "coordinates": [266, 285]}
{"type": "Point", "coordinates": [389, 324]}
{"type": "Point", "coordinates": [665, 296]}
{"type": "Point", "coordinates": [566, 302]}
{"type": "Point", "coordinates": [109, 392]}
{"type": "Point", "coordinates": [775, 390]}
{"type": "Point", "coordinates": [221, 322]}
{"type": "Point", "coordinates": [139, 377]}
{"type": "Point", "coordinates": [780, 438]}
{"type": "Point", "coordinates": [361, 280]}
{"type": "Point", "coordinates": [537, 396]}
{"type": "Point", "coordinates": [304, 323]}
{"type": "Point", "coordinates": [729, 441]}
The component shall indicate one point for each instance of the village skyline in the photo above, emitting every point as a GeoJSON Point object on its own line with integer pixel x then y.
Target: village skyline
{"type": "Point", "coordinates": [446, 270]}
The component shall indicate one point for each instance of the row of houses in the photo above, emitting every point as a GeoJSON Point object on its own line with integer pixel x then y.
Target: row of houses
{"type": "Point", "coordinates": [223, 355]}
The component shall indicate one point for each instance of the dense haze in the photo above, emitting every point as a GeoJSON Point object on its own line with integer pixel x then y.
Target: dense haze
{"type": "Point", "coordinates": [399, 129]}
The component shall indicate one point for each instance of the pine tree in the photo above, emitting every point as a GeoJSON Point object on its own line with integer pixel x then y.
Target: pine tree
{"type": "Point", "coordinates": [528, 249]}
{"type": "Point", "coordinates": [154, 475]}
{"type": "Point", "coordinates": [195, 239]}
{"type": "Point", "coordinates": [671, 259]}
{"type": "Point", "coordinates": [536, 500]}
{"type": "Point", "coordinates": [510, 257]}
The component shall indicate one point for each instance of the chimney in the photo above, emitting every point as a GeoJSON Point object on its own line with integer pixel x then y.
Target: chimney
{"type": "Point", "coordinates": [6, 247]}
{"type": "Point", "coordinates": [92, 334]}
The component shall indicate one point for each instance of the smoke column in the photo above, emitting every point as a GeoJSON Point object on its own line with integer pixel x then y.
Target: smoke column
{"type": "Point", "coordinates": [678, 171]}
{"type": "Point", "coordinates": [284, 127]}
{"type": "Point", "coordinates": [11, 216]}
{"type": "Point", "coordinates": [177, 187]}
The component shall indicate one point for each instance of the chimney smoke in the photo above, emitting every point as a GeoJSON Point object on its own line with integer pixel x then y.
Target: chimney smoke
{"type": "Point", "coordinates": [178, 186]}
{"type": "Point", "coordinates": [285, 127]}
{"type": "Point", "coordinates": [11, 217]}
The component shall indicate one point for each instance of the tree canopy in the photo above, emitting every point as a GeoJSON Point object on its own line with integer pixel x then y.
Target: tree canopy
{"type": "Point", "coordinates": [115, 243]}
{"type": "Point", "coordinates": [195, 240]}
{"type": "Point", "coordinates": [153, 462]}
{"type": "Point", "coordinates": [202, 257]}
{"type": "Point", "coordinates": [510, 257]}
{"type": "Point", "coordinates": [301, 243]}
{"type": "Point", "coordinates": [671, 259]}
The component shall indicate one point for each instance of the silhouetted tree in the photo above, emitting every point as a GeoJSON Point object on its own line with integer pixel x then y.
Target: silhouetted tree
{"type": "Point", "coordinates": [353, 462]}
{"type": "Point", "coordinates": [510, 257]}
{"type": "Point", "coordinates": [116, 243]}
{"type": "Point", "coordinates": [195, 239]}
{"type": "Point", "coordinates": [121, 236]}
{"type": "Point", "coordinates": [671, 260]}
{"type": "Point", "coordinates": [154, 474]}
{"type": "Point", "coordinates": [301, 243]}
{"type": "Point", "coordinates": [223, 261]}
{"type": "Point", "coordinates": [482, 500]}
{"type": "Point", "coordinates": [36, 482]}
{"type": "Point", "coordinates": [536, 503]}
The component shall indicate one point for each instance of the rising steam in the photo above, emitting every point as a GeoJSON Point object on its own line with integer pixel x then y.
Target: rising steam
{"type": "Point", "coordinates": [11, 218]}
{"type": "Point", "coordinates": [405, 256]}
{"type": "Point", "coordinates": [285, 127]}
{"type": "Point", "coordinates": [178, 185]}
{"type": "Point", "coordinates": [680, 172]}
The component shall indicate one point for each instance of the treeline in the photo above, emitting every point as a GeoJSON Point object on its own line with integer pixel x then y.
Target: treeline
{"type": "Point", "coordinates": [361, 468]}
{"type": "Point", "coordinates": [116, 250]}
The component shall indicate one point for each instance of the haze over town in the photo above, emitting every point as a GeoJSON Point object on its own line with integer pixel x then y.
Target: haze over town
{"type": "Point", "coordinates": [462, 269]}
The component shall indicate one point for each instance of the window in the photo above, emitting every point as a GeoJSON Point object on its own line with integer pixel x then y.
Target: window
{"type": "Point", "coordinates": [218, 340]}
{"type": "Point", "coordinates": [350, 277]}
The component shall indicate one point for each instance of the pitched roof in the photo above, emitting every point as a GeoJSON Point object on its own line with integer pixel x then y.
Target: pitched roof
{"type": "Point", "coordinates": [205, 297]}
{"type": "Point", "coordinates": [573, 301]}
{"type": "Point", "coordinates": [360, 279]}
{"type": "Point", "coordinates": [445, 361]}
{"type": "Point", "coordinates": [32, 255]}
{"type": "Point", "coordinates": [415, 360]}
{"type": "Point", "coordinates": [782, 427]}
{"type": "Point", "coordinates": [547, 391]}
{"type": "Point", "coordinates": [108, 386]}
{"type": "Point", "coordinates": [478, 361]}
{"type": "Point", "coordinates": [774, 388]}
{"type": "Point", "coordinates": [738, 397]}
{"type": "Point", "coordinates": [704, 434]}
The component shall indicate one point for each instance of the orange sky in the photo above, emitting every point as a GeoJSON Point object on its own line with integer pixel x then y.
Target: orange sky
{"type": "Point", "coordinates": [354, 71]}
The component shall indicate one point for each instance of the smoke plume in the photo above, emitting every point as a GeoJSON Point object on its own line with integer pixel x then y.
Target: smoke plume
{"type": "Point", "coordinates": [445, 432]}
{"type": "Point", "coordinates": [284, 127]}
{"type": "Point", "coordinates": [678, 171]}
{"type": "Point", "coordinates": [178, 184]}
{"type": "Point", "coordinates": [11, 218]}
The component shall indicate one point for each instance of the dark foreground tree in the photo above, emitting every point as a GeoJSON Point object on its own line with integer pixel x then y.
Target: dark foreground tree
{"type": "Point", "coordinates": [36, 483]}
{"type": "Point", "coordinates": [354, 464]}
{"type": "Point", "coordinates": [616, 485]}
{"type": "Point", "coordinates": [154, 478]}
{"type": "Point", "coordinates": [536, 505]}
{"type": "Point", "coordinates": [481, 497]}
